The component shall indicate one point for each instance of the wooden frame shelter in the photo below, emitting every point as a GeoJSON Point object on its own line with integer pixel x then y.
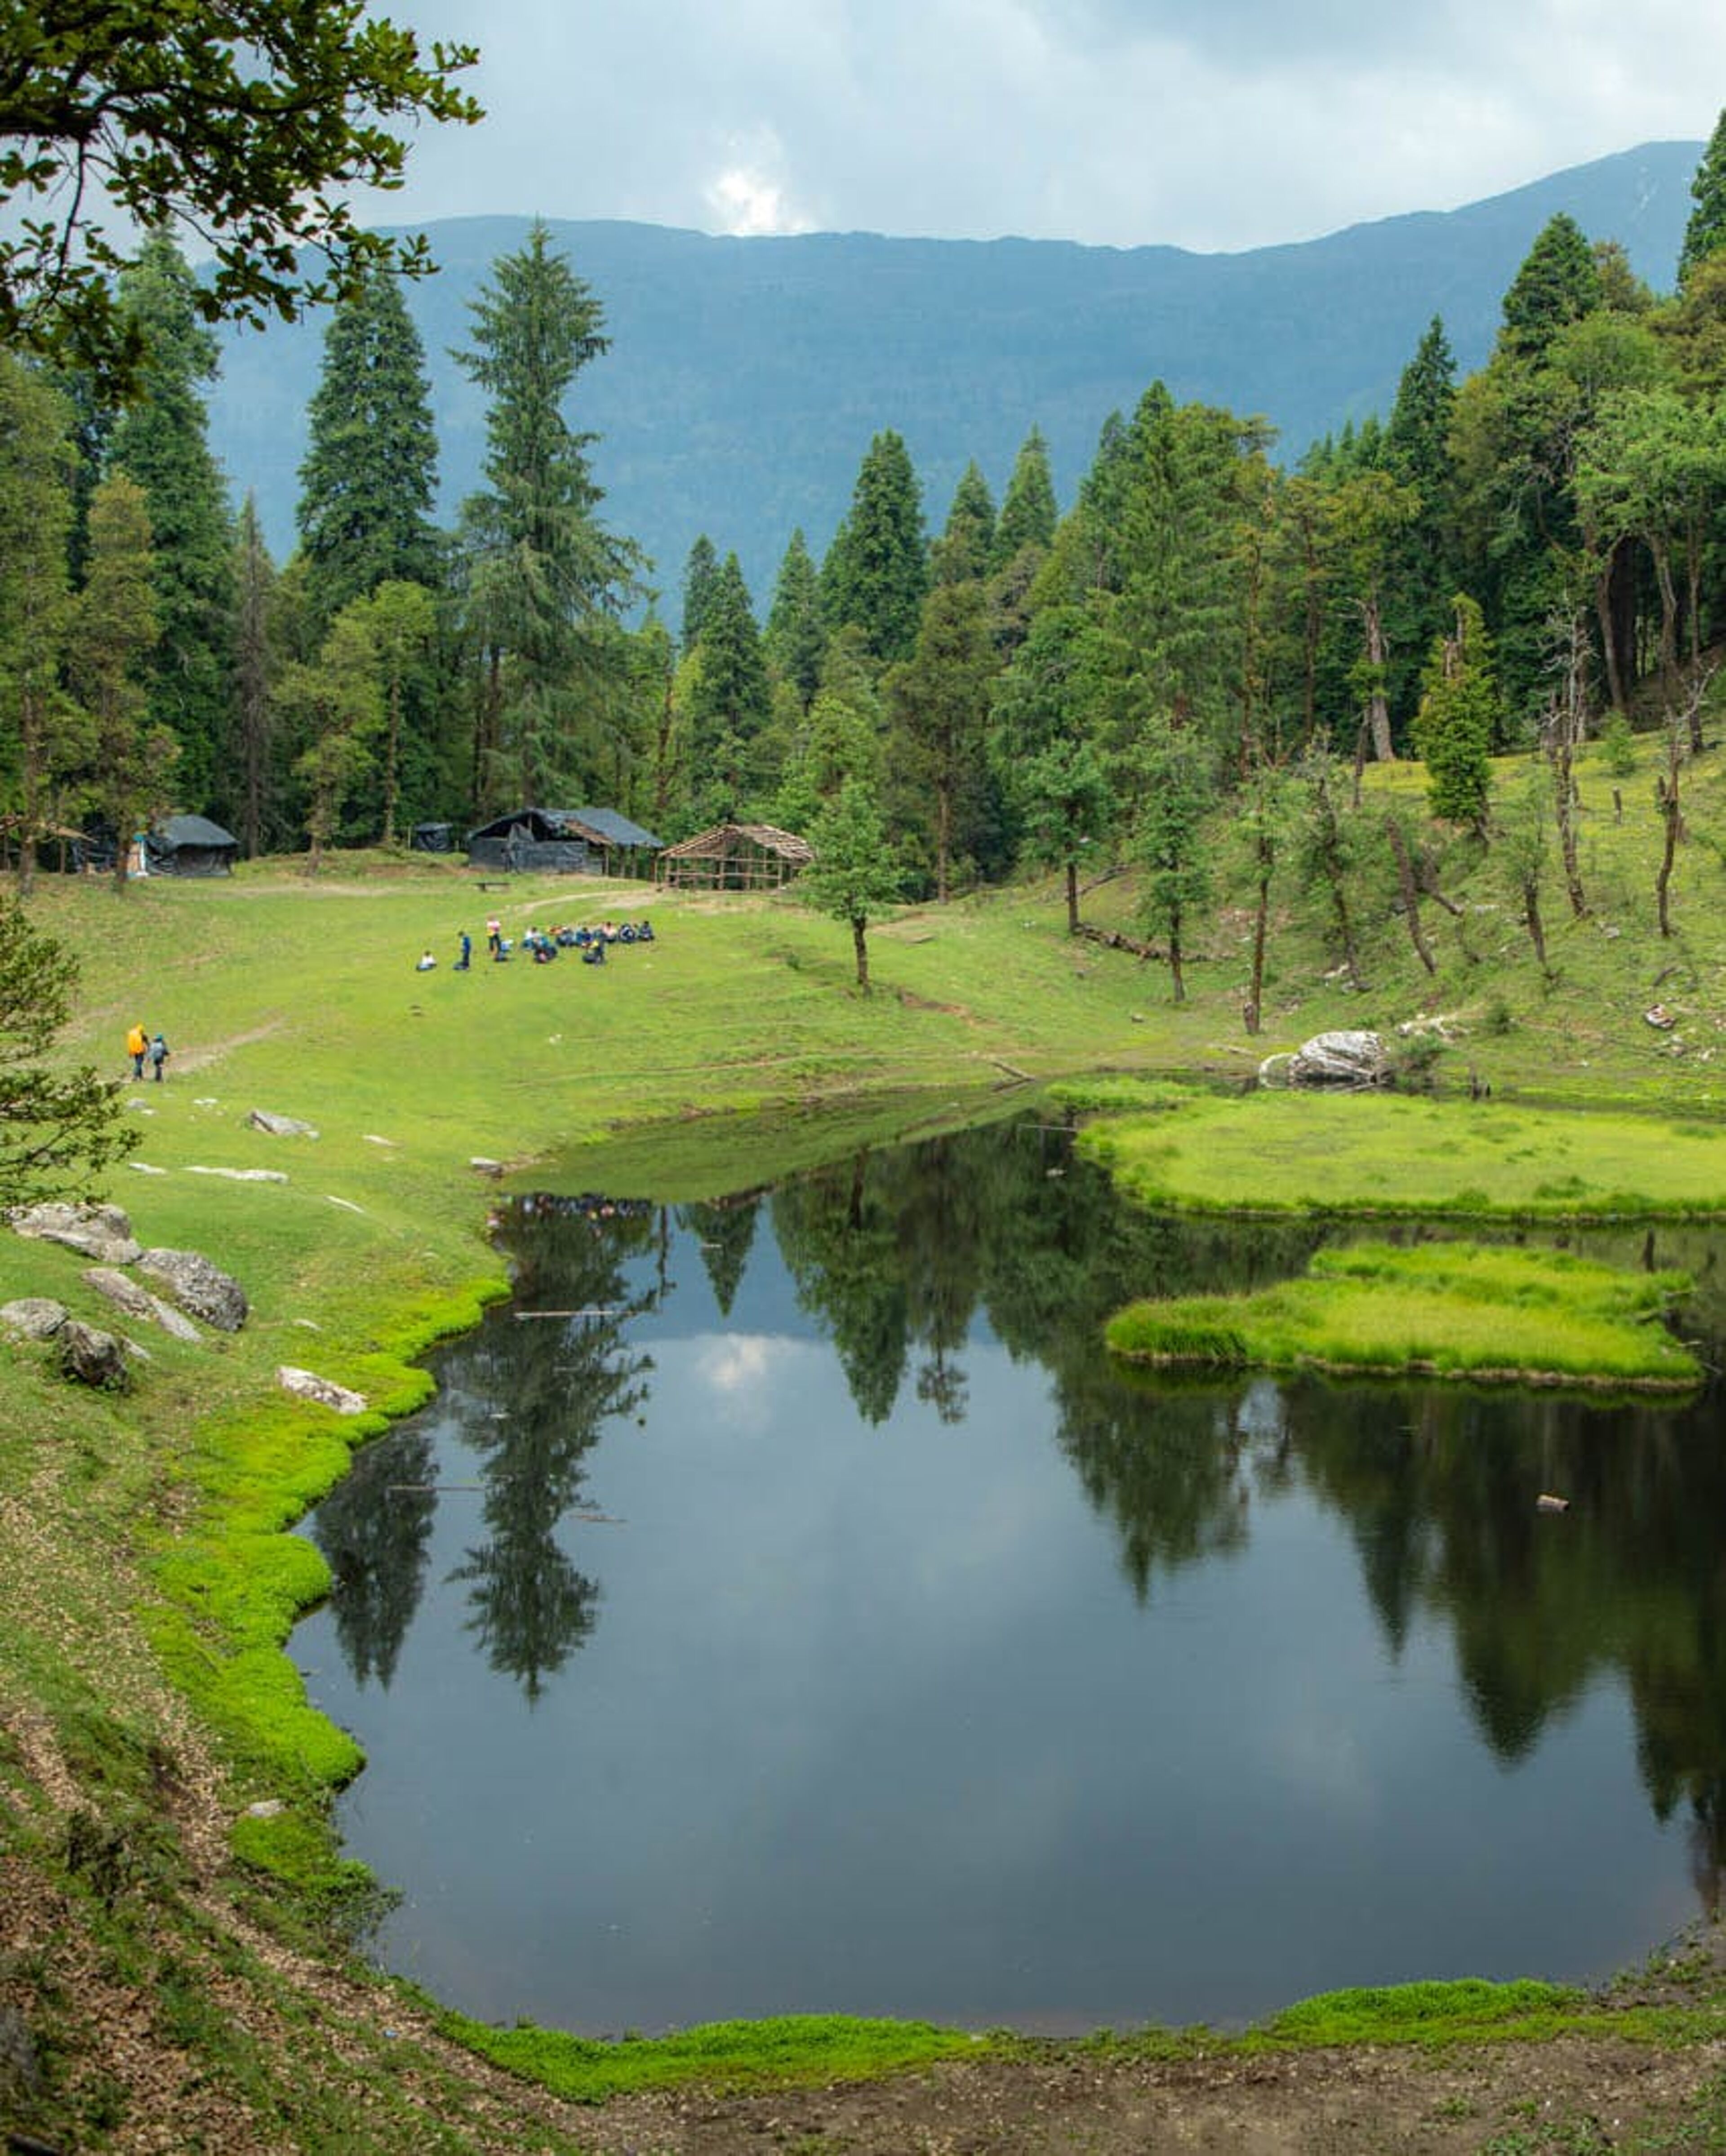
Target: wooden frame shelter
{"type": "Point", "coordinates": [734, 857]}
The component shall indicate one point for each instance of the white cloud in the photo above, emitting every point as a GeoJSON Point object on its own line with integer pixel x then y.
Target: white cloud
{"type": "Point", "coordinates": [749, 206]}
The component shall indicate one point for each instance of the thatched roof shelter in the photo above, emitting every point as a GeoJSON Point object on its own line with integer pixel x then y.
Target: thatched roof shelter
{"type": "Point", "coordinates": [734, 857]}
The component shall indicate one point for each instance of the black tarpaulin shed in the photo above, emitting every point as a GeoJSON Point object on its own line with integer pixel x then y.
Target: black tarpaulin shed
{"type": "Point", "coordinates": [591, 841]}
{"type": "Point", "coordinates": [191, 846]}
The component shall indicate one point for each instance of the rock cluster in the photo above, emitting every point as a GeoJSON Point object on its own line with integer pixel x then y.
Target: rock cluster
{"type": "Point", "coordinates": [191, 1287]}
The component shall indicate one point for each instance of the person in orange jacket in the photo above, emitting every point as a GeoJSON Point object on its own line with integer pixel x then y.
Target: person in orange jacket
{"type": "Point", "coordinates": [137, 1043]}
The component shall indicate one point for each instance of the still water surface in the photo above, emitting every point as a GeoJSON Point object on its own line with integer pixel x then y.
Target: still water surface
{"type": "Point", "coordinates": [813, 1620]}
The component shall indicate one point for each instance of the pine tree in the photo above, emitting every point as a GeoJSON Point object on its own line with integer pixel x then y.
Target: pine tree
{"type": "Point", "coordinates": [876, 570]}
{"type": "Point", "coordinates": [796, 639]}
{"type": "Point", "coordinates": [1419, 574]}
{"type": "Point", "coordinates": [1559, 282]}
{"type": "Point", "coordinates": [699, 572]}
{"type": "Point", "coordinates": [369, 478]}
{"type": "Point", "coordinates": [1705, 234]}
{"type": "Point", "coordinates": [162, 442]}
{"type": "Point", "coordinates": [401, 619]}
{"type": "Point", "coordinates": [730, 700]}
{"type": "Point", "coordinates": [940, 701]}
{"type": "Point", "coordinates": [1458, 716]}
{"type": "Point", "coordinates": [1029, 515]}
{"type": "Point", "coordinates": [965, 550]}
{"type": "Point", "coordinates": [59, 1128]}
{"type": "Point", "coordinates": [113, 632]}
{"type": "Point", "coordinates": [545, 579]}
{"type": "Point", "coordinates": [36, 459]}
{"type": "Point", "coordinates": [254, 668]}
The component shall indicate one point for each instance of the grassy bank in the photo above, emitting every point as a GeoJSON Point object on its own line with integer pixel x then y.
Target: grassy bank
{"type": "Point", "coordinates": [170, 1890]}
{"type": "Point", "coordinates": [1446, 1310]}
{"type": "Point", "coordinates": [1385, 1156]}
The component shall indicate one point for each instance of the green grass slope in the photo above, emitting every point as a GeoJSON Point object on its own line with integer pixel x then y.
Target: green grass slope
{"type": "Point", "coordinates": [168, 1944]}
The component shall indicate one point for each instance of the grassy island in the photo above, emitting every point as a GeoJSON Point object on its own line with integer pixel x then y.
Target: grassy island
{"type": "Point", "coordinates": [1444, 1309]}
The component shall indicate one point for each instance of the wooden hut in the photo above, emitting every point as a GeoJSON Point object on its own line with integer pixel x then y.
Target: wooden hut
{"type": "Point", "coordinates": [734, 857]}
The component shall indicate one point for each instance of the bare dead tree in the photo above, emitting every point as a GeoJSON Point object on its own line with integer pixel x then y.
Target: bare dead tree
{"type": "Point", "coordinates": [1410, 890]}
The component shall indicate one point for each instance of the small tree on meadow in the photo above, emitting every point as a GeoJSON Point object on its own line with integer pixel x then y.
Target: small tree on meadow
{"type": "Point", "coordinates": [854, 872]}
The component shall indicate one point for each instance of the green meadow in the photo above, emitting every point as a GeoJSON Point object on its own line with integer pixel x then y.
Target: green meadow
{"type": "Point", "coordinates": [148, 1583]}
{"type": "Point", "coordinates": [1451, 1309]}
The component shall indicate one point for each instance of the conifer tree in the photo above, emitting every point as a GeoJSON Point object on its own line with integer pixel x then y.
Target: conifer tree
{"type": "Point", "coordinates": [699, 573]}
{"type": "Point", "coordinates": [1559, 283]}
{"type": "Point", "coordinates": [254, 668]}
{"type": "Point", "coordinates": [545, 579]}
{"type": "Point", "coordinates": [876, 570]}
{"type": "Point", "coordinates": [36, 459]}
{"type": "Point", "coordinates": [965, 550]}
{"type": "Point", "coordinates": [1028, 514]}
{"type": "Point", "coordinates": [796, 639]}
{"type": "Point", "coordinates": [162, 442]}
{"type": "Point", "coordinates": [113, 632]}
{"type": "Point", "coordinates": [730, 701]}
{"type": "Point", "coordinates": [369, 478]}
{"type": "Point", "coordinates": [940, 702]}
{"type": "Point", "coordinates": [1705, 234]}
{"type": "Point", "coordinates": [59, 1128]}
{"type": "Point", "coordinates": [1419, 574]}
{"type": "Point", "coordinates": [1458, 716]}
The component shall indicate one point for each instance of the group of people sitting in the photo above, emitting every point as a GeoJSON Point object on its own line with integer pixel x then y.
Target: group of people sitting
{"type": "Point", "coordinates": [591, 941]}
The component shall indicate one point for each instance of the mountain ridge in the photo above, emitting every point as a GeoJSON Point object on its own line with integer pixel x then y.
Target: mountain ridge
{"type": "Point", "coordinates": [746, 376]}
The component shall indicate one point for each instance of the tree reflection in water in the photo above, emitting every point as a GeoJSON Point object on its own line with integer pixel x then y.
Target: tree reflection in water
{"type": "Point", "coordinates": [899, 1256]}
{"type": "Point", "coordinates": [536, 1392]}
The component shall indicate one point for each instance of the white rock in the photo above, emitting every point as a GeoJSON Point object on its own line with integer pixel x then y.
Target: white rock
{"type": "Point", "coordinates": [306, 1385]}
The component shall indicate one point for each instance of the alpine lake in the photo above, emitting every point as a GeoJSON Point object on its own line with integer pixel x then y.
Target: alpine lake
{"type": "Point", "coordinates": [786, 1605]}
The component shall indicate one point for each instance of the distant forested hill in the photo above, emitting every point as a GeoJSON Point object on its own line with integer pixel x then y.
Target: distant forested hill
{"type": "Point", "coordinates": [747, 376]}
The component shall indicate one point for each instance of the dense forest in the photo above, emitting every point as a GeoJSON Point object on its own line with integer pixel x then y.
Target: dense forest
{"type": "Point", "coordinates": [1520, 559]}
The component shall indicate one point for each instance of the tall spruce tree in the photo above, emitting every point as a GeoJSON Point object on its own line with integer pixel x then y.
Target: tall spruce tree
{"type": "Point", "coordinates": [254, 672]}
{"type": "Point", "coordinates": [1705, 234]}
{"type": "Point", "coordinates": [545, 579]}
{"type": "Point", "coordinates": [113, 632]}
{"type": "Point", "coordinates": [1559, 283]}
{"type": "Point", "coordinates": [36, 462]}
{"type": "Point", "coordinates": [940, 706]}
{"type": "Point", "coordinates": [966, 548]}
{"type": "Point", "coordinates": [699, 572]}
{"type": "Point", "coordinates": [876, 570]}
{"type": "Point", "coordinates": [162, 442]}
{"type": "Point", "coordinates": [796, 639]}
{"type": "Point", "coordinates": [1420, 573]}
{"type": "Point", "coordinates": [1028, 514]}
{"type": "Point", "coordinates": [370, 474]}
{"type": "Point", "coordinates": [730, 701]}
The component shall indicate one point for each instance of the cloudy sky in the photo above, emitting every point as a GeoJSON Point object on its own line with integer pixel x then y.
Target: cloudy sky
{"type": "Point", "coordinates": [1207, 124]}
